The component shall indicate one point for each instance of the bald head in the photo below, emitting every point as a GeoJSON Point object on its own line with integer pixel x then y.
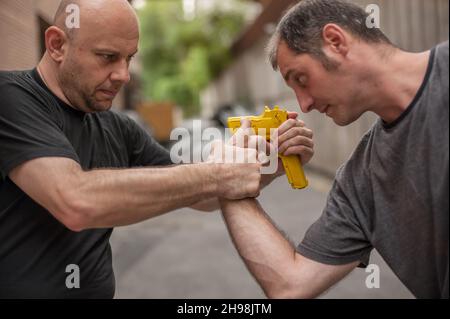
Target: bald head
{"type": "Point", "coordinates": [99, 12]}
{"type": "Point", "coordinates": [89, 50]}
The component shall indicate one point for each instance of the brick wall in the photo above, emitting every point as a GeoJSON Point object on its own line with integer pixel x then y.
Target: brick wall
{"type": "Point", "coordinates": [20, 31]}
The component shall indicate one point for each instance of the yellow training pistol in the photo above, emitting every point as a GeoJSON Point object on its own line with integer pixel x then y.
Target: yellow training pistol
{"type": "Point", "coordinates": [273, 119]}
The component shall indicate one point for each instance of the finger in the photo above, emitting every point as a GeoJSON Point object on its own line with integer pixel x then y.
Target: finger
{"type": "Point", "coordinates": [287, 125]}
{"type": "Point", "coordinates": [296, 131]}
{"type": "Point", "coordinates": [300, 150]}
{"type": "Point", "coordinates": [290, 123]}
{"type": "Point", "coordinates": [242, 134]}
{"type": "Point", "coordinates": [245, 123]}
{"type": "Point", "coordinates": [252, 156]}
{"type": "Point", "coordinates": [263, 158]}
{"type": "Point", "coordinates": [238, 155]}
{"type": "Point", "coordinates": [292, 115]}
{"type": "Point", "coordinates": [296, 141]}
{"type": "Point", "coordinates": [259, 143]}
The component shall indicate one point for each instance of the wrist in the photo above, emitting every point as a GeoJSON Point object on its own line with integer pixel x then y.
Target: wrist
{"type": "Point", "coordinates": [238, 206]}
{"type": "Point", "coordinates": [211, 179]}
{"type": "Point", "coordinates": [223, 202]}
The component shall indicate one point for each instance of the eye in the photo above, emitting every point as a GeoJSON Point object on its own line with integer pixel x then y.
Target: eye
{"type": "Point", "coordinates": [108, 57]}
{"type": "Point", "coordinates": [301, 80]}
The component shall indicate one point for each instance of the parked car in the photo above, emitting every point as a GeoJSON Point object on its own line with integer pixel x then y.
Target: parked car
{"type": "Point", "coordinates": [229, 110]}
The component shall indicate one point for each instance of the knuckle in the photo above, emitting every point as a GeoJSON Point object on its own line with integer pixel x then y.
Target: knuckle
{"type": "Point", "coordinates": [292, 122]}
{"type": "Point", "coordinates": [299, 139]}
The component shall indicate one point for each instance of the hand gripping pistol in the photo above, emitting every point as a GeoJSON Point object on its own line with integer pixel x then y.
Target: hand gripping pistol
{"type": "Point", "coordinates": [273, 119]}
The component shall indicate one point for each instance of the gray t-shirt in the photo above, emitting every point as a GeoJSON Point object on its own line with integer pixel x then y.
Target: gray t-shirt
{"type": "Point", "coordinates": [392, 194]}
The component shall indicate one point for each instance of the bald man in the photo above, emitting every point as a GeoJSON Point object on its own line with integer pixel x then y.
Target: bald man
{"type": "Point", "coordinates": [71, 170]}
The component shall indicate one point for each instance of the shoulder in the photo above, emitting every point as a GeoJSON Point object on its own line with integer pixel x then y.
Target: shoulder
{"type": "Point", "coordinates": [19, 85]}
{"type": "Point", "coordinates": [13, 80]}
{"type": "Point", "coordinates": [437, 91]}
{"type": "Point", "coordinates": [6, 76]}
{"type": "Point", "coordinates": [440, 65]}
{"type": "Point", "coordinates": [356, 169]}
{"type": "Point", "coordinates": [442, 51]}
{"type": "Point", "coordinates": [364, 149]}
{"type": "Point", "coordinates": [20, 93]}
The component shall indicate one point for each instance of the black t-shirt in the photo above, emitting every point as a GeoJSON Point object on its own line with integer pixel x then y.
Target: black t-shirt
{"type": "Point", "coordinates": [35, 248]}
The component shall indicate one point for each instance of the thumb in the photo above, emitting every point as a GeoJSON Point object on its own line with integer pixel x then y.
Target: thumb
{"type": "Point", "coordinates": [242, 134]}
{"type": "Point", "coordinates": [245, 124]}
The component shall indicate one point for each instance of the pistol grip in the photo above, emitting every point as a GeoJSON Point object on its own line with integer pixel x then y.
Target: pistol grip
{"type": "Point", "coordinates": [294, 171]}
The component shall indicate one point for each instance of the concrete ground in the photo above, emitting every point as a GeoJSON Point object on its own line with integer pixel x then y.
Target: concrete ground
{"type": "Point", "coordinates": [188, 254]}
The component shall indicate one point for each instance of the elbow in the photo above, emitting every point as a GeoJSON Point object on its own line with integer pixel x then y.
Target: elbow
{"type": "Point", "coordinates": [289, 292]}
{"type": "Point", "coordinates": [74, 212]}
{"type": "Point", "coordinates": [75, 223]}
{"type": "Point", "coordinates": [280, 292]}
{"type": "Point", "coordinates": [289, 286]}
{"type": "Point", "coordinates": [286, 293]}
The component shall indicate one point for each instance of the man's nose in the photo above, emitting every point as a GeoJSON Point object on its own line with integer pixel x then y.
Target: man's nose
{"type": "Point", "coordinates": [305, 101]}
{"type": "Point", "coordinates": [121, 73]}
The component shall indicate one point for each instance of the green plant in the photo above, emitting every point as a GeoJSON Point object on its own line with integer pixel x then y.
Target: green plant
{"type": "Point", "coordinates": [181, 56]}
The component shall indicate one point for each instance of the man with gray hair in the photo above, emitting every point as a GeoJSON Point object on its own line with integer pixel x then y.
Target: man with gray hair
{"type": "Point", "coordinates": [392, 194]}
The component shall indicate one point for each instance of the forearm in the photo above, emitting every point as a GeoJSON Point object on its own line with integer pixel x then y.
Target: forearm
{"type": "Point", "coordinates": [121, 197]}
{"type": "Point", "coordinates": [267, 253]}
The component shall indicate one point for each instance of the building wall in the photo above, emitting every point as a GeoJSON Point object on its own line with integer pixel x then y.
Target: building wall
{"type": "Point", "coordinates": [413, 25]}
{"type": "Point", "coordinates": [19, 34]}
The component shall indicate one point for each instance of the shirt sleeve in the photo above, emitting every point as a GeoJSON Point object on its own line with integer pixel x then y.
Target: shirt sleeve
{"type": "Point", "coordinates": [145, 150]}
{"type": "Point", "coordinates": [337, 237]}
{"type": "Point", "coordinates": [29, 129]}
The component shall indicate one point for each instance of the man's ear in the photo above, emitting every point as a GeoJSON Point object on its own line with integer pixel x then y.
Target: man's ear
{"type": "Point", "coordinates": [55, 43]}
{"type": "Point", "coordinates": [335, 39]}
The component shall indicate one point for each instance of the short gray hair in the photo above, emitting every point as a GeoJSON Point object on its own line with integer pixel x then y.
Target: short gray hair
{"type": "Point", "coordinates": [301, 28]}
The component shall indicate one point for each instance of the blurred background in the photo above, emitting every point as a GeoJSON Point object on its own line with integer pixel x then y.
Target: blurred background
{"type": "Point", "coordinates": [205, 59]}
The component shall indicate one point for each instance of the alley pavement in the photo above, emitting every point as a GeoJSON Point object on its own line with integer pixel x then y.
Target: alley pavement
{"type": "Point", "coordinates": [187, 254]}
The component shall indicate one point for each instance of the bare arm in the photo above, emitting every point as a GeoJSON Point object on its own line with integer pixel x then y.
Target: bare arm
{"type": "Point", "coordinates": [213, 204]}
{"type": "Point", "coordinates": [107, 198]}
{"type": "Point", "coordinates": [272, 260]}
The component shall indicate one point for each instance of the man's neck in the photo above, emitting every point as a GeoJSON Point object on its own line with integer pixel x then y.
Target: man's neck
{"type": "Point", "coordinates": [48, 76]}
{"type": "Point", "coordinates": [396, 81]}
